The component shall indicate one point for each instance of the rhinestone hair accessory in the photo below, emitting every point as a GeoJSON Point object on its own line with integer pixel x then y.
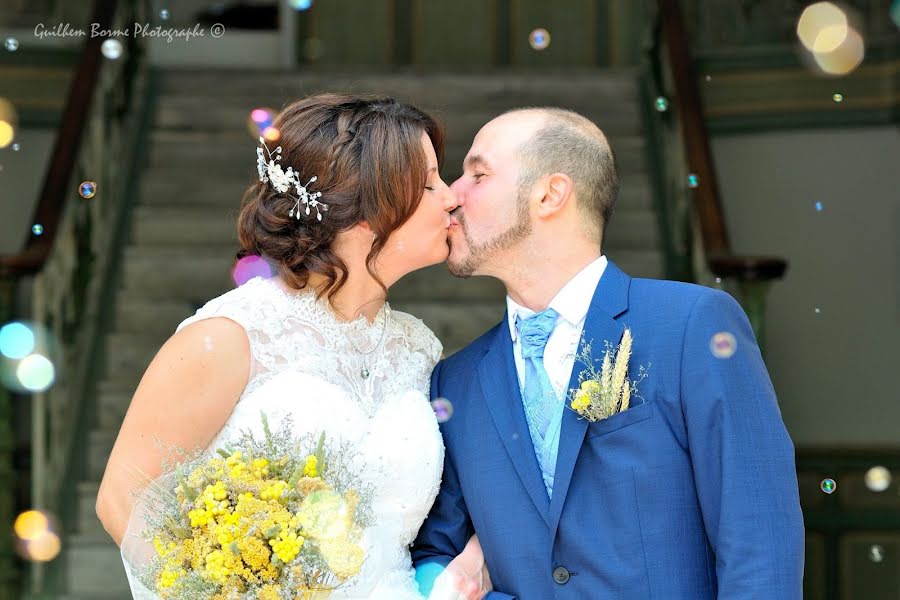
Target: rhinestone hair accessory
{"type": "Point", "coordinates": [282, 181]}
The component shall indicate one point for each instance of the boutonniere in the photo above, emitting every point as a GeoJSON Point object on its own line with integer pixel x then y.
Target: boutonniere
{"type": "Point", "coordinates": [608, 391]}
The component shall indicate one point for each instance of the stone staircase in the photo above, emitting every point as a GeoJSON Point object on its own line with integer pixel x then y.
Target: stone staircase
{"type": "Point", "coordinates": [202, 157]}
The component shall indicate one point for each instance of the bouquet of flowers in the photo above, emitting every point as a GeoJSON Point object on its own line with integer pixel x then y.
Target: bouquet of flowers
{"type": "Point", "coordinates": [277, 518]}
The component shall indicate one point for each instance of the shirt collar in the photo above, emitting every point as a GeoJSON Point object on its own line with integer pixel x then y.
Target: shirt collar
{"type": "Point", "coordinates": [571, 302]}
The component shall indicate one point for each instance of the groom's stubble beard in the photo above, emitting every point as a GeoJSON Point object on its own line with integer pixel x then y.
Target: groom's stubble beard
{"type": "Point", "coordinates": [480, 253]}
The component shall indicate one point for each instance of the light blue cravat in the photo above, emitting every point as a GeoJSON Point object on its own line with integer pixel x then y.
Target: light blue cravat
{"type": "Point", "coordinates": [543, 408]}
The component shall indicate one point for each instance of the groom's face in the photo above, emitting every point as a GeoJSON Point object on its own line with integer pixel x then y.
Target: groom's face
{"type": "Point", "coordinates": [493, 213]}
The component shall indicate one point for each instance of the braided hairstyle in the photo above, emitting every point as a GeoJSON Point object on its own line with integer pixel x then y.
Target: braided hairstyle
{"type": "Point", "coordinates": [367, 154]}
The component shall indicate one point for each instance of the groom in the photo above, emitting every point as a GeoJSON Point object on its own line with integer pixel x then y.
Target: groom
{"type": "Point", "coordinates": [690, 492]}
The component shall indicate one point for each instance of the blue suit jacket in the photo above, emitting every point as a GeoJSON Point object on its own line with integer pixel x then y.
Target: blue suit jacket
{"type": "Point", "coordinates": [689, 494]}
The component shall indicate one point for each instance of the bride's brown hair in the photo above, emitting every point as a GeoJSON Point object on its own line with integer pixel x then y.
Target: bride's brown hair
{"type": "Point", "coordinates": [367, 155]}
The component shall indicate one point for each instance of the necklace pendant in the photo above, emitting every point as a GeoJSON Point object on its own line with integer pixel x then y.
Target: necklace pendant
{"type": "Point", "coordinates": [365, 373]}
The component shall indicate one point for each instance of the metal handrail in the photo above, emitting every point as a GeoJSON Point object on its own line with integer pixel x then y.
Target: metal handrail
{"type": "Point", "coordinates": [752, 273]}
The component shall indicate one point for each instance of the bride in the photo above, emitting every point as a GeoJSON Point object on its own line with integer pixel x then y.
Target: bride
{"type": "Point", "coordinates": [349, 203]}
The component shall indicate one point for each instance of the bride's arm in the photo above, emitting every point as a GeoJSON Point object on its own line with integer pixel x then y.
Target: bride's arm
{"type": "Point", "coordinates": [185, 396]}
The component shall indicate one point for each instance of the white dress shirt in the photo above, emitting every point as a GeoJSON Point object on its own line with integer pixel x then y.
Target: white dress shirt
{"type": "Point", "coordinates": [572, 303]}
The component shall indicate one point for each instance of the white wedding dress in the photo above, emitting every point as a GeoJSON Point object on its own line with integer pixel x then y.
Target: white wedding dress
{"type": "Point", "coordinates": [304, 364]}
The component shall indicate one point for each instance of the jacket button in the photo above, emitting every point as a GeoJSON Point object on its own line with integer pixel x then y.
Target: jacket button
{"type": "Point", "coordinates": [560, 575]}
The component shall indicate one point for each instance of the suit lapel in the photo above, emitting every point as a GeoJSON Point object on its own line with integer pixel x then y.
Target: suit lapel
{"type": "Point", "coordinates": [499, 383]}
{"type": "Point", "coordinates": [609, 301]}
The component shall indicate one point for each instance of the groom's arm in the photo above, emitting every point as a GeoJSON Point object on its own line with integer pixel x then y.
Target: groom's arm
{"type": "Point", "coordinates": [447, 529]}
{"type": "Point", "coordinates": [743, 458]}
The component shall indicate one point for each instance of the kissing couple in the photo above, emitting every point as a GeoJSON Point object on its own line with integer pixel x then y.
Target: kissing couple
{"type": "Point", "coordinates": [598, 447]}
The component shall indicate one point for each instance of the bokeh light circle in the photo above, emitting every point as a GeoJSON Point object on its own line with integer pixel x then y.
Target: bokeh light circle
{"type": "Point", "coordinates": [30, 525]}
{"type": "Point", "coordinates": [845, 58]}
{"type": "Point", "coordinates": [249, 267]}
{"type": "Point", "coordinates": [87, 189]}
{"type": "Point", "coordinates": [539, 39]}
{"type": "Point", "coordinates": [443, 409]}
{"type": "Point", "coordinates": [300, 4]}
{"type": "Point", "coordinates": [11, 44]}
{"type": "Point", "coordinates": [17, 340]}
{"type": "Point", "coordinates": [44, 548]}
{"type": "Point", "coordinates": [878, 479]}
{"type": "Point", "coordinates": [36, 373]}
{"type": "Point", "coordinates": [260, 120]}
{"type": "Point", "coordinates": [111, 49]}
{"type": "Point", "coordinates": [876, 553]}
{"type": "Point", "coordinates": [8, 122]}
{"type": "Point", "coordinates": [817, 18]}
{"type": "Point", "coordinates": [723, 345]}
{"type": "Point", "coordinates": [828, 485]}
{"type": "Point", "coordinates": [271, 134]}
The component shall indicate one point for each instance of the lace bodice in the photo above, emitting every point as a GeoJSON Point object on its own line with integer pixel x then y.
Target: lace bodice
{"type": "Point", "coordinates": [292, 330]}
{"type": "Point", "coordinates": [307, 364]}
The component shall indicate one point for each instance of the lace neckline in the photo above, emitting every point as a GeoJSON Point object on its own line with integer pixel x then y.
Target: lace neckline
{"type": "Point", "coordinates": [306, 298]}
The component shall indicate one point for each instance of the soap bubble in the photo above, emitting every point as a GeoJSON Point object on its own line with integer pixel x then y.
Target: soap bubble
{"type": "Point", "coordinates": [539, 39]}
{"type": "Point", "coordinates": [443, 409]}
{"type": "Point", "coordinates": [111, 49]}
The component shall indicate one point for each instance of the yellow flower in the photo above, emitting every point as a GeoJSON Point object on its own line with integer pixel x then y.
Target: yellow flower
{"type": "Point", "coordinates": [287, 545]}
{"type": "Point", "coordinates": [269, 592]}
{"type": "Point", "coordinates": [274, 490]}
{"type": "Point", "coordinates": [260, 468]}
{"type": "Point", "coordinates": [311, 468]}
{"type": "Point", "coordinates": [200, 517]}
{"type": "Point", "coordinates": [590, 387]}
{"type": "Point", "coordinates": [344, 558]}
{"type": "Point", "coordinates": [170, 577]}
{"type": "Point", "coordinates": [581, 401]}
{"type": "Point", "coordinates": [217, 568]}
{"type": "Point", "coordinates": [254, 553]}
{"type": "Point", "coordinates": [308, 485]}
{"type": "Point", "coordinates": [224, 534]}
{"type": "Point", "coordinates": [217, 491]}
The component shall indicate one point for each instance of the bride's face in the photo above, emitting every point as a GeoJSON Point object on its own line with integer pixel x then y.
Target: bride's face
{"type": "Point", "coordinates": [422, 240]}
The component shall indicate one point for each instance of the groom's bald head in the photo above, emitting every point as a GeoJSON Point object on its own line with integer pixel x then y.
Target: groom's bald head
{"type": "Point", "coordinates": [557, 140]}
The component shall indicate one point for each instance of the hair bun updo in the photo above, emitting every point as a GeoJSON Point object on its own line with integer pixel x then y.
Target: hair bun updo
{"type": "Point", "coordinates": [367, 157]}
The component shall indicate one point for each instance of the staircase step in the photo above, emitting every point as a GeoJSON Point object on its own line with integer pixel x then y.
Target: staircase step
{"type": "Point", "coordinates": [455, 324]}
{"type": "Point", "coordinates": [94, 567]}
{"type": "Point", "coordinates": [184, 189]}
{"type": "Point", "coordinates": [100, 444]}
{"type": "Point", "coordinates": [88, 522]}
{"type": "Point", "coordinates": [632, 230]}
{"type": "Point", "coordinates": [271, 88]}
{"type": "Point", "coordinates": [111, 409]}
{"type": "Point", "coordinates": [639, 263]}
{"type": "Point", "coordinates": [435, 283]}
{"type": "Point", "coordinates": [185, 226]}
{"type": "Point", "coordinates": [165, 273]}
{"type": "Point", "coordinates": [181, 114]}
{"type": "Point", "coordinates": [128, 352]}
{"type": "Point", "coordinates": [135, 314]}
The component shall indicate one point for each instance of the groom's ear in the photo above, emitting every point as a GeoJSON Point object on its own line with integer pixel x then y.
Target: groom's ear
{"type": "Point", "coordinates": [557, 189]}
